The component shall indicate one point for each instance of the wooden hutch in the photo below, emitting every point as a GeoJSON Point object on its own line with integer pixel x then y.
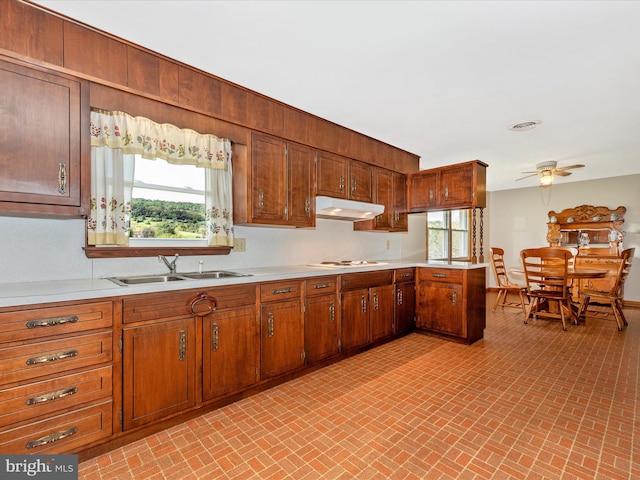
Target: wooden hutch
{"type": "Point", "coordinates": [597, 233]}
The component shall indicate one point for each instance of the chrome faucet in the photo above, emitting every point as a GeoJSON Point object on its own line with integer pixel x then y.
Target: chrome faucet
{"type": "Point", "coordinates": [170, 265]}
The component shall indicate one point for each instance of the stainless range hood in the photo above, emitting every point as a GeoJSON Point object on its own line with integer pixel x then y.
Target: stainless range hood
{"type": "Point", "coordinates": [350, 210]}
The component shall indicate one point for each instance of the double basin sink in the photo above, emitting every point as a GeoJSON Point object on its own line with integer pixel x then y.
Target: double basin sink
{"type": "Point", "coordinates": [172, 277]}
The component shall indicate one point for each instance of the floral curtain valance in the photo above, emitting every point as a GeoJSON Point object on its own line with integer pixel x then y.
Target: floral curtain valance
{"type": "Point", "coordinates": [154, 140]}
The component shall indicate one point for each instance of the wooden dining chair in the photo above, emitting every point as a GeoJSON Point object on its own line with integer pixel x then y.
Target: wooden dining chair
{"type": "Point", "coordinates": [613, 297]}
{"type": "Point", "coordinates": [505, 285]}
{"type": "Point", "coordinates": [545, 272]}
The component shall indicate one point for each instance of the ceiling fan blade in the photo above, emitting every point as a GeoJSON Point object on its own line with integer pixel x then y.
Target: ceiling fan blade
{"type": "Point", "coordinates": [558, 169]}
{"type": "Point", "coordinates": [561, 173]}
{"type": "Point", "coordinates": [533, 174]}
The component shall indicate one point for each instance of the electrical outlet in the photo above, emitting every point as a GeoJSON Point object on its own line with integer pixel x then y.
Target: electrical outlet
{"type": "Point", "coordinates": [239, 244]}
{"type": "Point", "coordinates": [388, 244]}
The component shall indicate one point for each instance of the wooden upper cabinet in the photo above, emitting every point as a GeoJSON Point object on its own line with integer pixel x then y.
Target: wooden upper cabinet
{"type": "Point", "coordinates": [456, 186]}
{"type": "Point", "coordinates": [264, 114]}
{"type": "Point", "coordinates": [400, 217]}
{"type": "Point", "coordinates": [40, 148]}
{"type": "Point", "coordinates": [360, 181]}
{"type": "Point", "coordinates": [390, 190]}
{"type": "Point", "coordinates": [31, 32]}
{"type": "Point", "coordinates": [152, 74]}
{"type": "Point", "coordinates": [332, 171]}
{"type": "Point", "coordinates": [383, 194]}
{"type": "Point", "coordinates": [277, 188]}
{"type": "Point", "coordinates": [200, 91]}
{"type": "Point", "coordinates": [95, 54]}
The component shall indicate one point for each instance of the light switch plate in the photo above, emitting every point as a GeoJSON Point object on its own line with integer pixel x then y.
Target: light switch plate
{"type": "Point", "coordinates": [239, 244]}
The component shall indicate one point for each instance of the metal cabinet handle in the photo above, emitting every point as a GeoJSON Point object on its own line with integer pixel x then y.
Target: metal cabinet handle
{"type": "Point", "coordinates": [354, 185]}
{"type": "Point", "coordinates": [363, 304]}
{"type": "Point", "coordinates": [321, 285]}
{"type": "Point", "coordinates": [215, 338]}
{"type": "Point", "coordinates": [53, 357]}
{"type": "Point", "coordinates": [439, 275]}
{"type": "Point", "coordinates": [431, 195]}
{"type": "Point", "coordinates": [446, 192]}
{"type": "Point", "coordinates": [405, 275]}
{"type": "Point", "coordinates": [341, 184]}
{"type": "Point", "coordinates": [278, 291]}
{"type": "Point", "coordinates": [52, 322]}
{"type": "Point", "coordinates": [270, 325]}
{"type": "Point", "coordinates": [332, 312]}
{"type": "Point", "coordinates": [454, 298]}
{"type": "Point", "coordinates": [47, 397]}
{"type": "Point", "coordinates": [62, 177]}
{"type": "Point", "coordinates": [182, 346]}
{"type": "Point", "coordinates": [375, 302]}
{"type": "Point", "coordinates": [400, 297]}
{"type": "Point", "coordinates": [260, 200]}
{"type": "Point", "coordinates": [203, 298]}
{"type": "Point", "coordinates": [54, 437]}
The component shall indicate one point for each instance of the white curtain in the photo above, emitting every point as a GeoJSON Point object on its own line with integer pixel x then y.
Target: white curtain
{"type": "Point", "coordinates": [112, 176]}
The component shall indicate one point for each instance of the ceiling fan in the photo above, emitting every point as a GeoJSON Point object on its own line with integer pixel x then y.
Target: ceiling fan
{"type": "Point", "coordinates": [547, 170]}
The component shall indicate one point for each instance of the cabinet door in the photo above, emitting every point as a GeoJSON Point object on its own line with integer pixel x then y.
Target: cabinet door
{"type": "Point", "coordinates": [400, 220]}
{"type": "Point", "coordinates": [230, 351]}
{"type": "Point", "coordinates": [301, 172]}
{"type": "Point", "coordinates": [332, 173]}
{"type": "Point", "coordinates": [269, 179]}
{"type": "Point", "coordinates": [321, 327]}
{"type": "Point", "coordinates": [440, 307]}
{"type": "Point", "coordinates": [355, 319]}
{"type": "Point", "coordinates": [39, 147]}
{"type": "Point", "coordinates": [282, 337]}
{"type": "Point", "coordinates": [455, 187]}
{"type": "Point", "coordinates": [360, 181]}
{"type": "Point", "coordinates": [383, 194]}
{"type": "Point", "coordinates": [381, 314]}
{"type": "Point", "coordinates": [405, 307]}
{"type": "Point", "coordinates": [159, 370]}
{"type": "Point", "coordinates": [423, 191]}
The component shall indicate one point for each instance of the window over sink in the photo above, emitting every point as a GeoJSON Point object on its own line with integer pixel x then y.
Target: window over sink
{"type": "Point", "coordinates": [448, 235]}
{"type": "Point", "coordinates": [157, 189]}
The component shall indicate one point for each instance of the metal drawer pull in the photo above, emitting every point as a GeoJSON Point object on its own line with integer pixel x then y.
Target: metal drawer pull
{"type": "Point", "coordinates": [277, 291]}
{"type": "Point", "coordinates": [52, 396]}
{"type": "Point", "coordinates": [62, 177]}
{"type": "Point", "coordinates": [439, 275]}
{"type": "Point", "coordinates": [52, 322]}
{"type": "Point", "coordinates": [321, 285]}
{"type": "Point", "coordinates": [54, 437]}
{"type": "Point", "coordinates": [182, 349]}
{"type": "Point", "coordinates": [215, 339]}
{"type": "Point", "coordinates": [405, 275]}
{"type": "Point", "coordinates": [270, 325]}
{"type": "Point", "coordinates": [53, 357]}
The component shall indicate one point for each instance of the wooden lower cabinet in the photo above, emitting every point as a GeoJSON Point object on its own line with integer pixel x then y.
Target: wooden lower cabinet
{"type": "Point", "coordinates": [381, 315]}
{"type": "Point", "coordinates": [452, 302]}
{"type": "Point", "coordinates": [321, 318]}
{"type": "Point", "coordinates": [230, 351]}
{"type": "Point", "coordinates": [281, 328]}
{"type": "Point", "coordinates": [159, 370]}
{"type": "Point", "coordinates": [405, 315]}
{"type": "Point", "coordinates": [355, 319]}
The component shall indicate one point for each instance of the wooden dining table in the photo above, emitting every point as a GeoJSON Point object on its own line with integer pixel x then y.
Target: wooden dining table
{"type": "Point", "coordinates": [573, 274]}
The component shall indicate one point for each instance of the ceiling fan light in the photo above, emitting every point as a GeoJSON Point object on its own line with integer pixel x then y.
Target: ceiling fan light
{"type": "Point", "coordinates": [546, 179]}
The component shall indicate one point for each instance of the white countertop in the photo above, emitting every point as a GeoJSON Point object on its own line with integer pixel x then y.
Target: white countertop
{"type": "Point", "coordinates": [31, 293]}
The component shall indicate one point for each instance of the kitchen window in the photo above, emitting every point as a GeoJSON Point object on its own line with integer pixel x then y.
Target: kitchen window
{"type": "Point", "coordinates": [448, 235]}
{"type": "Point", "coordinates": [156, 189]}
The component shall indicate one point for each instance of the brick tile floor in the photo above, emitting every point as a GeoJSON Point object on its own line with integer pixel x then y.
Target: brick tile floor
{"type": "Point", "coordinates": [526, 402]}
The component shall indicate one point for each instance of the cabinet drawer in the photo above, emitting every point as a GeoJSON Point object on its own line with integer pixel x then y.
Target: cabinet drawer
{"type": "Point", "coordinates": [321, 286]}
{"type": "Point", "coordinates": [154, 307]}
{"type": "Point", "coordinates": [598, 263]}
{"type": "Point", "coordinates": [65, 433]}
{"type": "Point", "coordinates": [356, 281]}
{"type": "Point", "coordinates": [447, 275]}
{"type": "Point", "coordinates": [274, 292]}
{"type": "Point", "coordinates": [38, 323]}
{"type": "Point", "coordinates": [21, 403]}
{"type": "Point", "coordinates": [403, 275]}
{"type": "Point", "coordinates": [22, 363]}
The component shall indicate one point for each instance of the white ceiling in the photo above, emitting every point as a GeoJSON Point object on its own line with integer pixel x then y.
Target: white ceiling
{"type": "Point", "coordinates": [441, 79]}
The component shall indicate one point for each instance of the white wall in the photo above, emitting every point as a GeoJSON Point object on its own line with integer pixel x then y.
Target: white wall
{"type": "Point", "coordinates": [518, 218]}
{"type": "Point", "coordinates": [43, 250]}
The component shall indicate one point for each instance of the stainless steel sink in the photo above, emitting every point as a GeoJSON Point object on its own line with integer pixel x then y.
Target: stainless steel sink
{"type": "Point", "coordinates": [172, 277]}
{"type": "Point", "coordinates": [140, 279]}
{"type": "Point", "coordinates": [213, 274]}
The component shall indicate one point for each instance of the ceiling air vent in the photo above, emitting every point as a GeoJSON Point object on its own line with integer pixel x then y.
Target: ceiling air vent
{"type": "Point", "coordinates": [522, 126]}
